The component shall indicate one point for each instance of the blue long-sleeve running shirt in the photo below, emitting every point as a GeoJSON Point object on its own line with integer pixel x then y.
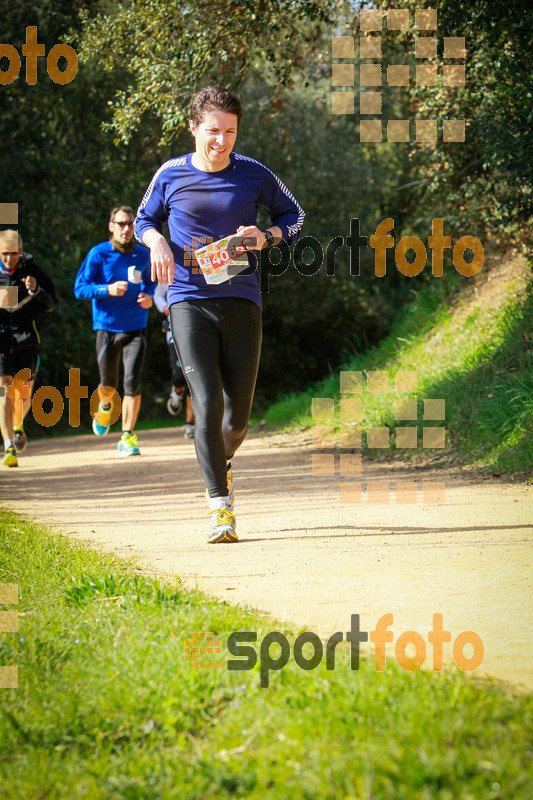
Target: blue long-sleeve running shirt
{"type": "Point", "coordinates": [103, 266]}
{"type": "Point", "coordinates": [200, 204]}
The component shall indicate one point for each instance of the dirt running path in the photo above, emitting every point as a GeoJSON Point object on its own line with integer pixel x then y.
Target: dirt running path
{"type": "Point", "coordinates": [303, 556]}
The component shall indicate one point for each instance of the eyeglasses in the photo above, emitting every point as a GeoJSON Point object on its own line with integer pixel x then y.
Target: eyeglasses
{"type": "Point", "coordinates": [128, 224]}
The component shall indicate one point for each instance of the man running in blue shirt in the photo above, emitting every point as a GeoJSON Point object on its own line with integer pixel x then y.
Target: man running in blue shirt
{"type": "Point", "coordinates": [116, 277]}
{"type": "Point", "coordinates": [204, 196]}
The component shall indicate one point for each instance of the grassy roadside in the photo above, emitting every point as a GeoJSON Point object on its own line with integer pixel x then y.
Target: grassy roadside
{"type": "Point", "coordinates": [107, 707]}
{"type": "Point", "coordinates": [476, 355]}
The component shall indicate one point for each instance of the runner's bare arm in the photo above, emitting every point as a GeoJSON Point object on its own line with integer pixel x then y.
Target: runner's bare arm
{"type": "Point", "coordinates": [161, 256]}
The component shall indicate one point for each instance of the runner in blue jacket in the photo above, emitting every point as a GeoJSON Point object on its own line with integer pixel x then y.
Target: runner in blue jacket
{"type": "Point", "coordinates": [115, 276]}
{"type": "Point", "coordinates": [206, 196]}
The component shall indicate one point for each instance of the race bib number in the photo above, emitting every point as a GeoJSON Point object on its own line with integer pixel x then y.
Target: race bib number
{"type": "Point", "coordinates": [134, 275]}
{"type": "Point", "coordinates": [225, 258]}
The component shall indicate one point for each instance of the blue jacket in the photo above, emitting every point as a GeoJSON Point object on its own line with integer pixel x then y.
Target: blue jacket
{"type": "Point", "coordinates": [103, 266]}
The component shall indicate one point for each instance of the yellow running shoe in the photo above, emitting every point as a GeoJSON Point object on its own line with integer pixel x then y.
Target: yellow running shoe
{"type": "Point", "coordinates": [10, 457]}
{"type": "Point", "coordinates": [128, 445]}
{"type": "Point", "coordinates": [223, 526]}
{"type": "Point", "coordinates": [102, 420]}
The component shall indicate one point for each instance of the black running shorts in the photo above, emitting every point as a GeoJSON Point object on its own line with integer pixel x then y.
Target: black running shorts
{"type": "Point", "coordinates": [20, 358]}
{"type": "Point", "coordinates": [109, 346]}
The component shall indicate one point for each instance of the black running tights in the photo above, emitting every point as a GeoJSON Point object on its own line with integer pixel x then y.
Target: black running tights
{"type": "Point", "coordinates": [218, 343]}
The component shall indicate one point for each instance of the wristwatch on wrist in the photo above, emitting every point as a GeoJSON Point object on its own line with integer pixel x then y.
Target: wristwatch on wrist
{"type": "Point", "coordinates": [269, 238]}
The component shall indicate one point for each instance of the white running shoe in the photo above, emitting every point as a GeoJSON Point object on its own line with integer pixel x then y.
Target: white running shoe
{"type": "Point", "coordinates": [222, 527]}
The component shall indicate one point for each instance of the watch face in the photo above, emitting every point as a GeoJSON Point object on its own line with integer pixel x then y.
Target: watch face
{"type": "Point", "coordinates": [269, 237]}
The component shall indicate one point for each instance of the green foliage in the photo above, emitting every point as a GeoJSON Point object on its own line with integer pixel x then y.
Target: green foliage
{"type": "Point", "coordinates": [171, 48]}
{"type": "Point", "coordinates": [108, 709]}
{"type": "Point", "coordinates": [137, 589]}
{"type": "Point", "coordinates": [486, 181]}
{"type": "Point", "coordinates": [480, 363]}
{"type": "Point", "coordinates": [66, 175]}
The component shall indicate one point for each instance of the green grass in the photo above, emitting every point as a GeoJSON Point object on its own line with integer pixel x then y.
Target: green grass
{"type": "Point", "coordinates": [107, 707]}
{"type": "Point", "coordinates": [480, 363]}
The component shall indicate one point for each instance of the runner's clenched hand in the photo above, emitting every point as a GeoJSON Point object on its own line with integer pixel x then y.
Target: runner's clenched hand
{"type": "Point", "coordinates": [144, 300]}
{"type": "Point", "coordinates": [118, 288]}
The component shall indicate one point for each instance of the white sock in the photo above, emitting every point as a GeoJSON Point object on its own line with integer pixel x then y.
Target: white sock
{"type": "Point", "coordinates": [8, 443]}
{"type": "Point", "coordinates": [219, 502]}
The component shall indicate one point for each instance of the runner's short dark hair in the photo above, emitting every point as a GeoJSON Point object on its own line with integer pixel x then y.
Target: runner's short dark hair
{"type": "Point", "coordinates": [215, 98]}
{"type": "Point", "coordinates": [125, 209]}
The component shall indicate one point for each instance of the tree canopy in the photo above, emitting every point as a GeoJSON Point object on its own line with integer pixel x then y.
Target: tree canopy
{"type": "Point", "coordinates": [170, 47]}
{"type": "Point", "coordinates": [487, 180]}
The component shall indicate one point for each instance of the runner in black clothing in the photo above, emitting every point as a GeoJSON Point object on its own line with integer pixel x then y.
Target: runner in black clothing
{"type": "Point", "coordinates": [210, 195]}
{"type": "Point", "coordinates": [25, 293]}
{"type": "Point", "coordinates": [179, 392]}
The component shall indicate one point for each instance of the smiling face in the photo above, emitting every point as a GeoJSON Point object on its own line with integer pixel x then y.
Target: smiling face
{"type": "Point", "coordinates": [214, 137]}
